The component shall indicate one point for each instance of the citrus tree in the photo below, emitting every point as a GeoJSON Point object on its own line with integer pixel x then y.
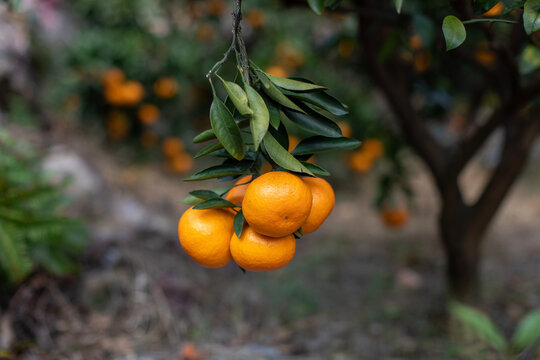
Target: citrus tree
{"type": "Point", "coordinates": [453, 73]}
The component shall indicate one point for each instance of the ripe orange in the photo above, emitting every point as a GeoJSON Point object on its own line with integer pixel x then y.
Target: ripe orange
{"type": "Point", "coordinates": [321, 205]}
{"type": "Point", "coordinates": [165, 87]}
{"type": "Point", "coordinates": [360, 161]}
{"type": "Point", "coordinates": [113, 76]}
{"type": "Point", "coordinates": [180, 162]}
{"type": "Point", "coordinates": [415, 42]}
{"type": "Point", "coordinates": [277, 203]}
{"type": "Point", "coordinates": [277, 70]}
{"type": "Point", "coordinates": [395, 217]}
{"type": "Point", "coordinates": [206, 235]}
{"type": "Point", "coordinates": [345, 128]}
{"type": "Point", "coordinates": [255, 18]}
{"type": "Point", "coordinates": [485, 56]}
{"type": "Point", "coordinates": [148, 114]}
{"type": "Point", "coordinates": [293, 141]}
{"type": "Point", "coordinates": [132, 93]}
{"type": "Point", "coordinates": [172, 146]}
{"type": "Point", "coordinates": [256, 252]}
{"type": "Point", "coordinates": [373, 147]}
{"type": "Point", "coordinates": [236, 194]}
{"type": "Point", "coordinates": [266, 167]}
{"type": "Point", "coordinates": [497, 9]}
{"type": "Point", "coordinates": [422, 61]}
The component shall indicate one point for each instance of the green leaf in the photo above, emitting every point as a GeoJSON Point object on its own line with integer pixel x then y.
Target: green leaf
{"type": "Point", "coordinates": [322, 100]}
{"type": "Point", "coordinates": [214, 203]}
{"type": "Point", "coordinates": [315, 169]}
{"type": "Point", "coordinates": [531, 17]}
{"type": "Point", "coordinates": [478, 323]}
{"type": "Point", "coordinates": [294, 85]}
{"type": "Point", "coordinates": [319, 144]}
{"type": "Point", "coordinates": [275, 94]}
{"type": "Point", "coordinates": [454, 32]}
{"type": "Point", "coordinates": [192, 200]}
{"type": "Point", "coordinates": [239, 223]}
{"type": "Point", "coordinates": [208, 149]}
{"type": "Point", "coordinates": [218, 171]}
{"type": "Point", "coordinates": [282, 157]}
{"type": "Point", "coordinates": [204, 136]}
{"type": "Point", "coordinates": [260, 118]}
{"type": "Point", "coordinates": [314, 123]}
{"type": "Point", "coordinates": [281, 135]}
{"type": "Point", "coordinates": [238, 96]}
{"type": "Point", "coordinates": [530, 60]}
{"type": "Point", "coordinates": [398, 4]}
{"type": "Point", "coordinates": [527, 330]}
{"type": "Point", "coordinates": [275, 114]}
{"type": "Point", "coordinates": [226, 129]}
{"type": "Point", "coordinates": [204, 194]}
{"type": "Point", "coordinates": [317, 6]}
{"type": "Point", "coordinates": [13, 257]}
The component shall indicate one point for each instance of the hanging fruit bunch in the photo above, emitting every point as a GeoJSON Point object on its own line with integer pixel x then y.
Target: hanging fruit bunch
{"type": "Point", "coordinates": [257, 220]}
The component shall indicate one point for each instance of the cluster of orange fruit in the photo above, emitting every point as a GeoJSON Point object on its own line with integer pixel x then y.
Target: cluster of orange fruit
{"type": "Point", "coordinates": [275, 206]}
{"type": "Point", "coordinates": [363, 159]}
{"type": "Point", "coordinates": [119, 91]}
{"type": "Point", "coordinates": [177, 160]}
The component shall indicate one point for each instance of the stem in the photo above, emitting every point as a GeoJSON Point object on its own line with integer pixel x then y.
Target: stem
{"type": "Point", "coordinates": [472, 21]}
{"type": "Point", "coordinates": [240, 47]}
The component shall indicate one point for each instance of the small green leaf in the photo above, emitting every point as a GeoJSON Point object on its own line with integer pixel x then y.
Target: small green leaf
{"type": "Point", "coordinates": [317, 6]}
{"type": "Point", "coordinates": [226, 129]}
{"type": "Point", "coordinates": [314, 122]}
{"type": "Point", "coordinates": [238, 96]}
{"type": "Point", "coordinates": [239, 223]}
{"type": "Point", "coordinates": [204, 136]}
{"type": "Point", "coordinates": [480, 324]}
{"type": "Point", "coordinates": [219, 171]}
{"type": "Point", "coordinates": [281, 135]}
{"type": "Point", "coordinates": [315, 169]}
{"type": "Point", "coordinates": [531, 16]}
{"type": "Point", "coordinates": [527, 330]}
{"type": "Point", "coordinates": [322, 100]}
{"type": "Point", "coordinates": [282, 157]}
{"type": "Point", "coordinates": [294, 85]}
{"type": "Point", "coordinates": [319, 144]}
{"type": "Point", "coordinates": [454, 32]}
{"type": "Point", "coordinates": [208, 149]}
{"type": "Point", "coordinates": [214, 203]}
{"type": "Point", "coordinates": [275, 114]}
{"type": "Point", "coordinates": [260, 118]}
{"type": "Point", "coordinates": [398, 4]}
{"type": "Point", "coordinates": [275, 94]}
{"type": "Point", "coordinates": [204, 194]}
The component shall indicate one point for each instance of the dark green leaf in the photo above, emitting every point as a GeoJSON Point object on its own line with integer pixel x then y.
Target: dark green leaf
{"type": "Point", "coordinates": [281, 156]}
{"type": "Point", "coordinates": [275, 94]}
{"type": "Point", "coordinates": [294, 85]}
{"type": "Point", "coordinates": [204, 194]}
{"type": "Point", "coordinates": [322, 100]}
{"type": "Point", "coordinates": [226, 129]}
{"type": "Point", "coordinates": [260, 118]}
{"type": "Point", "coordinates": [314, 122]}
{"type": "Point", "coordinates": [531, 16]}
{"type": "Point", "coordinates": [454, 32]}
{"type": "Point", "coordinates": [208, 149]}
{"type": "Point", "coordinates": [315, 169]}
{"type": "Point", "coordinates": [204, 136]}
{"type": "Point", "coordinates": [281, 135]}
{"type": "Point", "coordinates": [527, 330]}
{"type": "Point", "coordinates": [275, 114]}
{"type": "Point", "coordinates": [317, 6]}
{"type": "Point", "coordinates": [214, 203]}
{"type": "Point", "coordinates": [239, 223]}
{"type": "Point", "coordinates": [221, 171]}
{"type": "Point", "coordinates": [319, 144]}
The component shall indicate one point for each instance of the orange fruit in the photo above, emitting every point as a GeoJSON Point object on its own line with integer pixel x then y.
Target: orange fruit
{"type": "Point", "coordinates": [277, 70]}
{"type": "Point", "coordinates": [422, 61]}
{"type": "Point", "coordinates": [266, 167]}
{"type": "Point", "coordinates": [255, 18]}
{"type": "Point", "coordinates": [293, 141]}
{"type": "Point", "coordinates": [256, 252]}
{"type": "Point", "coordinates": [117, 125]}
{"type": "Point", "coordinates": [277, 203]}
{"type": "Point", "coordinates": [165, 87]}
{"type": "Point", "coordinates": [190, 352]}
{"type": "Point", "coordinates": [373, 147]}
{"type": "Point", "coordinates": [323, 200]}
{"type": "Point", "coordinates": [415, 42]}
{"type": "Point", "coordinates": [113, 94]}
{"type": "Point", "coordinates": [113, 76]}
{"type": "Point", "coordinates": [360, 161]}
{"type": "Point", "coordinates": [395, 217]}
{"type": "Point", "coordinates": [172, 146]}
{"type": "Point", "coordinates": [345, 128]}
{"type": "Point", "coordinates": [485, 57]}
{"type": "Point", "coordinates": [236, 194]}
{"type": "Point", "coordinates": [206, 235]}
{"type": "Point", "coordinates": [497, 9]}
{"type": "Point", "coordinates": [345, 48]}
{"type": "Point", "coordinates": [148, 114]}
{"type": "Point", "coordinates": [132, 93]}
{"type": "Point", "coordinates": [180, 162]}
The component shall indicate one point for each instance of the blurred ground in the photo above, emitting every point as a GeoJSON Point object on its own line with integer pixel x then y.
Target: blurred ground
{"type": "Point", "coordinates": [355, 290]}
